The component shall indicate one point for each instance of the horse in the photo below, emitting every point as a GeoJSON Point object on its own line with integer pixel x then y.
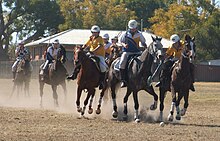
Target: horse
{"type": "Point", "coordinates": [138, 72]}
{"type": "Point", "coordinates": [114, 54]}
{"type": "Point", "coordinates": [55, 75]}
{"type": "Point", "coordinates": [180, 81]}
{"type": "Point", "coordinates": [88, 79]}
{"type": "Point", "coordinates": [23, 75]}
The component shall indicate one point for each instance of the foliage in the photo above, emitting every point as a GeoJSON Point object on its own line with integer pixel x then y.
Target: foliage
{"type": "Point", "coordinates": [27, 18]}
{"type": "Point", "coordinates": [177, 19]}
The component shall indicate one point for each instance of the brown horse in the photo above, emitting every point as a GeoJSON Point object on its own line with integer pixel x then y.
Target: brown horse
{"type": "Point", "coordinates": [23, 76]}
{"type": "Point", "coordinates": [114, 54]}
{"type": "Point", "coordinates": [55, 75]}
{"type": "Point", "coordinates": [181, 80]}
{"type": "Point", "coordinates": [88, 79]}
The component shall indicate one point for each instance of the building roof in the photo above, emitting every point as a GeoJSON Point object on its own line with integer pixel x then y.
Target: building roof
{"type": "Point", "coordinates": [80, 37]}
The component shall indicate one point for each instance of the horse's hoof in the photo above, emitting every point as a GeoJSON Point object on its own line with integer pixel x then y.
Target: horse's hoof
{"type": "Point", "coordinates": [115, 114]}
{"type": "Point", "coordinates": [153, 106]}
{"type": "Point", "coordinates": [183, 112]}
{"type": "Point", "coordinates": [170, 117]}
{"type": "Point", "coordinates": [90, 111]}
{"type": "Point", "coordinates": [98, 111]}
{"type": "Point", "coordinates": [137, 120]}
{"type": "Point", "coordinates": [178, 117]}
{"type": "Point", "coordinates": [79, 109]}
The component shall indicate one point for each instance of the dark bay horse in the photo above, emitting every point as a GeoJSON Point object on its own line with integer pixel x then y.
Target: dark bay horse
{"type": "Point", "coordinates": [23, 75]}
{"type": "Point", "coordinates": [138, 72]}
{"type": "Point", "coordinates": [181, 79]}
{"type": "Point", "coordinates": [88, 79]}
{"type": "Point", "coordinates": [55, 75]}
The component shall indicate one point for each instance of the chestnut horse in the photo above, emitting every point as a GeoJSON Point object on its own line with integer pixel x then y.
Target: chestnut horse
{"type": "Point", "coordinates": [88, 79]}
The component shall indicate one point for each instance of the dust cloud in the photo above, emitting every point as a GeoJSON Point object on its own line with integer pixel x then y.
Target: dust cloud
{"type": "Point", "coordinates": [68, 106]}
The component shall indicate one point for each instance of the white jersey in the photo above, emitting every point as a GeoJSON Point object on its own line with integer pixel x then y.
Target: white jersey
{"type": "Point", "coordinates": [53, 51]}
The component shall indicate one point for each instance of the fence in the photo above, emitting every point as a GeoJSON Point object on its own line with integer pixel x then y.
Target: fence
{"type": "Point", "coordinates": [205, 73]}
{"type": "Point", "coordinates": [5, 68]}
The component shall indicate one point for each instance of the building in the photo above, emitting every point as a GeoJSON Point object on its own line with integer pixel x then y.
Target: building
{"type": "Point", "coordinates": [73, 37]}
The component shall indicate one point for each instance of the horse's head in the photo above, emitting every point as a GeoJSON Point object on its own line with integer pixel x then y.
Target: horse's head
{"type": "Point", "coordinates": [21, 65]}
{"type": "Point", "coordinates": [79, 54]}
{"type": "Point", "coordinates": [155, 48]}
{"type": "Point", "coordinates": [190, 47]}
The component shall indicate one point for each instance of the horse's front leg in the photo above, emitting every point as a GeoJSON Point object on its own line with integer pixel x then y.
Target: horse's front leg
{"type": "Point", "coordinates": [136, 107]}
{"type": "Point", "coordinates": [63, 84]}
{"type": "Point", "coordinates": [41, 93]}
{"type": "Point", "coordinates": [186, 103]}
{"type": "Point", "coordinates": [162, 97]}
{"type": "Point", "coordinates": [178, 114]}
{"type": "Point", "coordinates": [55, 96]}
{"type": "Point", "coordinates": [128, 93]}
{"type": "Point", "coordinates": [170, 116]}
{"type": "Point", "coordinates": [92, 94]}
{"type": "Point", "coordinates": [151, 91]}
{"type": "Point", "coordinates": [98, 110]}
{"type": "Point", "coordinates": [86, 101]}
{"type": "Point", "coordinates": [115, 109]}
{"type": "Point", "coordinates": [79, 92]}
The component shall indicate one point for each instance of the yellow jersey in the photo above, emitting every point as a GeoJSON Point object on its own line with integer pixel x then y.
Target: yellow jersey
{"type": "Point", "coordinates": [171, 51]}
{"type": "Point", "coordinates": [93, 43]}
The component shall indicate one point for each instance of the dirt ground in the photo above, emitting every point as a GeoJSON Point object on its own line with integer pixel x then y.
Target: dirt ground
{"type": "Point", "coordinates": [21, 117]}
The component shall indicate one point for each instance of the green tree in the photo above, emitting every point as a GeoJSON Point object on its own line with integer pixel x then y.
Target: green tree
{"type": "Point", "coordinates": [208, 37]}
{"type": "Point", "coordinates": [108, 14]}
{"type": "Point", "coordinates": [26, 18]}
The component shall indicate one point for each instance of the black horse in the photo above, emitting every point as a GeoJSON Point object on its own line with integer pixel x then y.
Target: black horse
{"type": "Point", "coordinates": [181, 79]}
{"type": "Point", "coordinates": [55, 75]}
{"type": "Point", "coordinates": [138, 72]}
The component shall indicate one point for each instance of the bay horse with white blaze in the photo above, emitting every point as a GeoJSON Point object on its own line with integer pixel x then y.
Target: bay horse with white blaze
{"type": "Point", "coordinates": [138, 72]}
{"type": "Point", "coordinates": [88, 79]}
{"type": "Point", "coordinates": [181, 79]}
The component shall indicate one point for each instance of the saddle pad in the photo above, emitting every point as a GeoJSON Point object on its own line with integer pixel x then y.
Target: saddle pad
{"type": "Point", "coordinates": [116, 66]}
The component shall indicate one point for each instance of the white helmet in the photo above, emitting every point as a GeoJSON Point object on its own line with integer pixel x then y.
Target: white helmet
{"type": "Point", "coordinates": [95, 28]}
{"type": "Point", "coordinates": [105, 36]}
{"type": "Point", "coordinates": [132, 24]}
{"type": "Point", "coordinates": [175, 38]}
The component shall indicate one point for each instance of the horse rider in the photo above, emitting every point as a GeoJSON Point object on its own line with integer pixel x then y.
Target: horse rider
{"type": "Point", "coordinates": [95, 44]}
{"type": "Point", "coordinates": [20, 52]}
{"type": "Point", "coordinates": [173, 54]}
{"type": "Point", "coordinates": [115, 43]}
{"type": "Point", "coordinates": [107, 45]}
{"type": "Point", "coordinates": [51, 54]}
{"type": "Point", "coordinates": [130, 42]}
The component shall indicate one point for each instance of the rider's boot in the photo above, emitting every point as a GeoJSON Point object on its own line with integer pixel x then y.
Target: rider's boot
{"type": "Point", "coordinates": [101, 81]}
{"type": "Point", "coordinates": [123, 75]}
{"type": "Point", "coordinates": [74, 75]}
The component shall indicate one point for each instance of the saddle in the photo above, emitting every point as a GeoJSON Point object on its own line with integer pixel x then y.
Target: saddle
{"type": "Point", "coordinates": [96, 60]}
{"type": "Point", "coordinates": [131, 58]}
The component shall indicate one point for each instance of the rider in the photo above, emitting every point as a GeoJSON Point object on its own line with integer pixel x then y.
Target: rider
{"type": "Point", "coordinates": [20, 52]}
{"type": "Point", "coordinates": [51, 54]}
{"type": "Point", "coordinates": [130, 41]}
{"type": "Point", "coordinates": [107, 44]}
{"type": "Point", "coordinates": [173, 54]}
{"type": "Point", "coordinates": [95, 45]}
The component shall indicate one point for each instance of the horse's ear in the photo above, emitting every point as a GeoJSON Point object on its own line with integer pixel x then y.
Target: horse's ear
{"type": "Point", "coordinates": [158, 38]}
{"type": "Point", "coordinates": [153, 38]}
